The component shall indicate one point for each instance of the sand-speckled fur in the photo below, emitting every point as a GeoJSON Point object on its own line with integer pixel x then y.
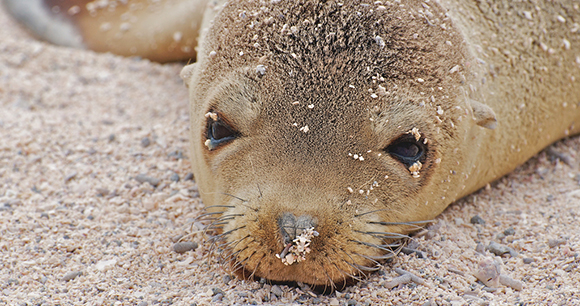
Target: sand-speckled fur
{"type": "Point", "coordinates": [432, 59]}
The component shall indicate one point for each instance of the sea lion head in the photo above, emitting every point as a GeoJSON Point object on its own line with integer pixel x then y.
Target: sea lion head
{"type": "Point", "coordinates": [322, 130]}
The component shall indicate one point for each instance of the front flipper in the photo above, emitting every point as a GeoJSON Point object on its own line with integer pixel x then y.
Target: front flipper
{"type": "Point", "coordinates": [158, 30]}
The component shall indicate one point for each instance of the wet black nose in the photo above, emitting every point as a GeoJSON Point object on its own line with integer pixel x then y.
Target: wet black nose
{"type": "Point", "coordinates": [292, 226]}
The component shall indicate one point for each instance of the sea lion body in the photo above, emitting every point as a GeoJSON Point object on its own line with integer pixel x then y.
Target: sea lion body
{"type": "Point", "coordinates": [319, 94]}
{"type": "Point", "coordinates": [322, 131]}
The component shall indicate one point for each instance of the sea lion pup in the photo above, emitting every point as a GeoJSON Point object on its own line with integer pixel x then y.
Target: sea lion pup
{"type": "Point", "coordinates": [322, 131]}
{"type": "Point", "coordinates": [161, 31]}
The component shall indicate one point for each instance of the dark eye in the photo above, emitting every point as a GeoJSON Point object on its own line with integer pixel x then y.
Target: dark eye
{"type": "Point", "coordinates": [407, 150]}
{"type": "Point", "coordinates": [218, 131]}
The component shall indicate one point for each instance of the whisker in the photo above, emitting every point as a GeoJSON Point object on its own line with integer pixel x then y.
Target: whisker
{"type": "Point", "coordinates": [200, 217]}
{"type": "Point", "coordinates": [360, 273]}
{"type": "Point", "coordinates": [219, 206]}
{"type": "Point", "coordinates": [229, 217]}
{"type": "Point", "coordinates": [350, 275]}
{"type": "Point", "coordinates": [222, 235]}
{"type": "Point", "coordinates": [356, 266]}
{"type": "Point", "coordinates": [385, 235]}
{"type": "Point", "coordinates": [402, 223]}
{"type": "Point", "coordinates": [362, 269]}
{"type": "Point", "coordinates": [242, 263]}
{"type": "Point", "coordinates": [259, 190]}
{"type": "Point", "coordinates": [328, 279]}
{"type": "Point", "coordinates": [218, 224]}
{"type": "Point", "coordinates": [257, 265]}
{"type": "Point", "coordinates": [233, 254]}
{"type": "Point", "coordinates": [383, 247]}
{"type": "Point", "coordinates": [387, 256]}
{"type": "Point", "coordinates": [233, 196]}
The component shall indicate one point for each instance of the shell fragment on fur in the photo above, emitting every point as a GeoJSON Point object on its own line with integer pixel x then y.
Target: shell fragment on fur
{"type": "Point", "coordinates": [297, 250]}
{"type": "Point", "coordinates": [414, 169]}
{"type": "Point", "coordinates": [212, 115]}
{"type": "Point", "coordinates": [415, 133]}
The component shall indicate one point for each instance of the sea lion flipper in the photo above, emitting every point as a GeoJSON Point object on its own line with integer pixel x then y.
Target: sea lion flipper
{"type": "Point", "coordinates": [37, 16]}
{"type": "Point", "coordinates": [161, 31]}
{"type": "Point", "coordinates": [484, 115]}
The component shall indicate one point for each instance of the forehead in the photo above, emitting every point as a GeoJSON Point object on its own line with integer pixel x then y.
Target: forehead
{"type": "Point", "coordinates": [333, 45]}
{"type": "Point", "coordinates": [320, 64]}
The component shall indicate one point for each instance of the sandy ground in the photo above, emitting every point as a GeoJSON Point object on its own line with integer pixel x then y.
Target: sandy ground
{"type": "Point", "coordinates": [76, 227]}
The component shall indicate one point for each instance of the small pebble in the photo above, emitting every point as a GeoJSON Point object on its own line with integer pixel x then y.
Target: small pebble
{"type": "Point", "coordinates": [557, 155]}
{"type": "Point", "coordinates": [528, 260]}
{"type": "Point", "coordinates": [480, 248]}
{"type": "Point", "coordinates": [568, 268]}
{"type": "Point", "coordinates": [174, 177]}
{"type": "Point", "coordinates": [351, 303]}
{"type": "Point", "coordinates": [217, 298]}
{"type": "Point", "coordinates": [70, 176]}
{"type": "Point", "coordinates": [215, 291]}
{"type": "Point", "coordinates": [102, 192]}
{"type": "Point", "coordinates": [188, 177]}
{"type": "Point", "coordinates": [477, 220]}
{"type": "Point", "coordinates": [414, 278]}
{"type": "Point", "coordinates": [182, 247]}
{"type": "Point", "coordinates": [275, 290]}
{"type": "Point", "coordinates": [556, 242]}
{"type": "Point", "coordinates": [409, 251]}
{"type": "Point", "coordinates": [510, 231]}
{"type": "Point", "coordinates": [175, 155]}
{"type": "Point", "coordinates": [500, 249]}
{"type": "Point", "coordinates": [71, 275]}
{"type": "Point", "coordinates": [145, 142]}
{"type": "Point", "coordinates": [510, 282]}
{"type": "Point", "coordinates": [142, 178]}
{"type": "Point", "coordinates": [227, 279]}
{"type": "Point", "coordinates": [111, 138]}
{"type": "Point", "coordinates": [400, 280]}
{"type": "Point", "coordinates": [488, 272]}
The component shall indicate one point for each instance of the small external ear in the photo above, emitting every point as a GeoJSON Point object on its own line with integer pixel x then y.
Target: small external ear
{"type": "Point", "coordinates": [186, 73]}
{"type": "Point", "coordinates": [483, 115]}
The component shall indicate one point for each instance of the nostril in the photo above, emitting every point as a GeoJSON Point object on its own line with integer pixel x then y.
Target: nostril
{"type": "Point", "coordinates": [292, 226]}
{"type": "Point", "coordinates": [296, 233]}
